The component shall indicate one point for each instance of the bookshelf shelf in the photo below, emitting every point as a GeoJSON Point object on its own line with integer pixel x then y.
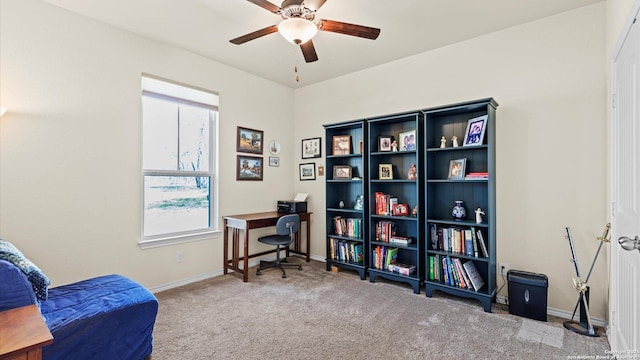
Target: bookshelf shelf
{"type": "Point", "coordinates": [448, 252]}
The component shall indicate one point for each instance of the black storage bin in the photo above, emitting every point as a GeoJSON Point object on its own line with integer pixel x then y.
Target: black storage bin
{"type": "Point", "coordinates": [528, 294]}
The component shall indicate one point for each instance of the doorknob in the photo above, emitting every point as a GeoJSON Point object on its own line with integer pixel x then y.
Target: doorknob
{"type": "Point", "coordinates": [629, 244]}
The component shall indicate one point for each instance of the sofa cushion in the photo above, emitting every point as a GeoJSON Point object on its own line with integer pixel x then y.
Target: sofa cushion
{"type": "Point", "coordinates": [38, 280]}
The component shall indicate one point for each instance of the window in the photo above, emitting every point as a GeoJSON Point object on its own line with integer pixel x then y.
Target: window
{"type": "Point", "coordinates": [179, 130]}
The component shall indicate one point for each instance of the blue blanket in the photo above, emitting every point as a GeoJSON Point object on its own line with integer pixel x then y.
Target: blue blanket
{"type": "Point", "coordinates": [108, 317]}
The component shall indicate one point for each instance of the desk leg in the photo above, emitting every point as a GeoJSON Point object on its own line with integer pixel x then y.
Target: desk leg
{"type": "Point", "coordinates": [308, 249]}
{"type": "Point", "coordinates": [234, 250]}
{"type": "Point", "coordinates": [225, 251]}
{"type": "Point", "coordinates": [245, 256]}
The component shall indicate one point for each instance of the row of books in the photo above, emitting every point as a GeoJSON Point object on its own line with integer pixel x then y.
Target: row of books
{"type": "Point", "coordinates": [452, 272]}
{"type": "Point", "coordinates": [351, 227]}
{"type": "Point", "coordinates": [343, 250]}
{"type": "Point", "coordinates": [383, 256]}
{"type": "Point", "coordinates": [385, 204]}
{"type": "Point", "coordinates": [468, 241]}
{"type": "Point", "coordinates": [386, 232]}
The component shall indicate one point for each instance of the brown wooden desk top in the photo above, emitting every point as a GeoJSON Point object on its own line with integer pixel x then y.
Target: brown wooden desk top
{"type": "Point", "coordinates": [21, 330]}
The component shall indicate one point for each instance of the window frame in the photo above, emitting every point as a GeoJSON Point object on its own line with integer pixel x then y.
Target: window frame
{"type": "Point", "coordinates": [213, 231]}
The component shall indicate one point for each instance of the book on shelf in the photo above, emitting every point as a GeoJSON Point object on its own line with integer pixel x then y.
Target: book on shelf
{"type": "Point", "coordinates": [474, 275]}
{"type": "Point", "coordinates": [402, 240]}
{"type": "Point", "coordinates": [475, 241]}
{"type": "Point", "coordinates": [483, 247]}
{"type": "Point", "coordinates": [403, 269]}
{"type": "Point", "coordinates": [477, 175]}
{"type": "Point", "coordinates": [468, 242]}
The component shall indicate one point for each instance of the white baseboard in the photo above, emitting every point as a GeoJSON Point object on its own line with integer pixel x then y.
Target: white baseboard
{"type": "Point", "coordinates": [188, 281]}
{"type": "Point", "coordinates": [559, 313]}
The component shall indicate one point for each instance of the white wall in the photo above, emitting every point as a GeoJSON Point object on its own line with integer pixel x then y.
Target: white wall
{"type": "Point", "coordinates": [549, 78]}
{"type": "Point", "coordinates": [70, 153]}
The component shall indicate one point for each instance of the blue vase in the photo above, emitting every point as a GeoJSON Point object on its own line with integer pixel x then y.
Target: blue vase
{"type": "Point", "coordinates": [459, 212]}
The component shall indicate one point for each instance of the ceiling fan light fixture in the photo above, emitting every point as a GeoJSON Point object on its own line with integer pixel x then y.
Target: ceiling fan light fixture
{"type": "Point", "coordinates": [297, 30]}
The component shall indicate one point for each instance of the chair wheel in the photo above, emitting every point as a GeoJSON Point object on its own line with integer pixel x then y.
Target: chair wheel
{"type": "Point", "coordinates": [258, 272]}
{"type": "Point", "coordinates": [300, 268]}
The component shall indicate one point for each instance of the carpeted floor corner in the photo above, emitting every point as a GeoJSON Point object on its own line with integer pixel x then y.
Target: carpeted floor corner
{"type": "Point", "coordinates": [318, 314]}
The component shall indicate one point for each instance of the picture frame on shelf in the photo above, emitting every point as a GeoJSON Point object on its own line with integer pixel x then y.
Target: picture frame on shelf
{"type": "Point", "coordinates": [341, 172]}
{"type": "Point", "coordinates": [384, 143]}
{"type": "Point", "coordinates": [385, 172]}
{"type": "Point", "coordinates": [400, 210]}
{"type": "Point", "coordinates": [342, 145]}
{"type": "Point", "coordinates": [457, 169]}
{"type": "Point", "coordinates": [249, 140]}
{"type": "Point", "coordinates": [249, 168]}
{"type": "Point", "coordinates": [311, 148]}
{"type": "Point", "coordinates": [407, 140]}
{"type": "Point", "coordinates": [474, 135]}
{"type": "Point", "coordinates": [307, 171]}
{"type": "Point", "coordinates": [274, 161]}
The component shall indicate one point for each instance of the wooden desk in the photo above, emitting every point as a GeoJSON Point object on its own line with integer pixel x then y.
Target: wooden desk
{"type": "Point", "coordinates": [245, 222]}
{"type": "Point", "coordinates": [23, 333]}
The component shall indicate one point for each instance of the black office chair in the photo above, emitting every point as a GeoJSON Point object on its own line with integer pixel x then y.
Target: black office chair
{"type": "Point", "coordinates": [286, 228]}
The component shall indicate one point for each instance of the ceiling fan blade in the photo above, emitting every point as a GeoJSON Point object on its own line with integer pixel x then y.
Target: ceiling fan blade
{"type": "Point", "coordinates": [254, 35]}
{"type": "Point", "coordinates": [309, 51]}
{"type": "Point", "coordinates": [314, 4]}
{"type": "Point", "coordinates": [349, 29]}
{"type": "Point", "coordinates": [266, 5]}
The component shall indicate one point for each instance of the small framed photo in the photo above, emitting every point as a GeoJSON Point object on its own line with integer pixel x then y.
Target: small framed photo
{"type": "Point", "coordinates": [342, 145]}
{"type": "Point", "coordinates": [249, 168]}
{"type": "Point", "coordinates": [274, 161]}
{"type": "Point", "coordinates": [475, 131]}
{"type": "Point", "coordinates": [307, 171]}
{"type": "Point", "coordinates": [342, 172]}
{"type": "Point", "coordinates": [249, 140]}
{"type": "Point", "coordinates": [385, 171]}
{"type": "Point", "coordinates": [400, 210]}
{"type": "Point", "coordinates": [311, 148]}
{"type": "Point", "coordinates": [408, 140]}
{"type": "Point", "coordinates": [384, 143]}
{"type": "Point", "coordinates": [456, 169]}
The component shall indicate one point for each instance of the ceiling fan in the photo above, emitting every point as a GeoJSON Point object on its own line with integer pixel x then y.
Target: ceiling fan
{"type": "Point", "coordinates": [298, 26]}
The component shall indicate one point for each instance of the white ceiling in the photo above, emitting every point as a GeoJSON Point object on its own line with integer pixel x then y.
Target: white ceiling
{"type": "Point", "coordinates": [408, 27]}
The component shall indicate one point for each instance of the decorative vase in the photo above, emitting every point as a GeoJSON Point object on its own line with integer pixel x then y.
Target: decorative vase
{"type": "Point", "coordinates": [459, 212]}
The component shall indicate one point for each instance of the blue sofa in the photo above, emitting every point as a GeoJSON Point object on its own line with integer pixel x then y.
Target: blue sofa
{"type": "Point", "coordinates": [108, 317]}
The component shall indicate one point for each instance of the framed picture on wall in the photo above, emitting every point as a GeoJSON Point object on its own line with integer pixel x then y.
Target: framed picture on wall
{"type": "Point", "coordinates": [311, 148]}
{"type": "Point", "coordinates": [307, 171]}
{"type": "Point", "coordinates": [249, 140]}
{"type": "Point", "coordinates": [249, 168]}
{"type": "Point", "coordinates": [274, 161]}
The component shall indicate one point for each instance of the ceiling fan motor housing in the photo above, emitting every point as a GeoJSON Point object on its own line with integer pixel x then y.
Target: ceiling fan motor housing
{"type": "Point", "coordinates": [296, 9]}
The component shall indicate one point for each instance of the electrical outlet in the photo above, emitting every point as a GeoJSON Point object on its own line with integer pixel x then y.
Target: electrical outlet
{"type": "Point", "coordinates": [504, 267]}
{"type": "Point", "coordinates": [179, 256]}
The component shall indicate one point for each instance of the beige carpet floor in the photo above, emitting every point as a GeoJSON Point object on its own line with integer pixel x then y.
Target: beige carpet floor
{"type": "Point", "coordinates": [318, 314]}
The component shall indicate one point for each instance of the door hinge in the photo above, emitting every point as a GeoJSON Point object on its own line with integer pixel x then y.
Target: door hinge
{"type": "Point", "coordinates": [613, 101]}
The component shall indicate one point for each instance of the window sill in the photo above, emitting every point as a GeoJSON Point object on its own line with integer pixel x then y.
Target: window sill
{"type": "Point", "coordinates": [178, 239]}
